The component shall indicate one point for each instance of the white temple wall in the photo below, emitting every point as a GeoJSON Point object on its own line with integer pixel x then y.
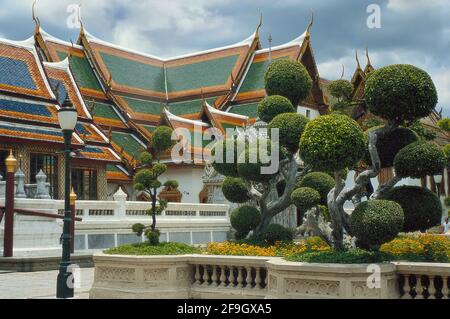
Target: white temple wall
{"type": "Point", "coordinates": [189, 180]}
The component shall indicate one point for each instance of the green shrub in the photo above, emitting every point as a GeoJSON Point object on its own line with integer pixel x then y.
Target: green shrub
{"type": "Point", "coordinates": [321, 182]}
{"type": "Point", "coordinates": [244, 219]}
{"type": "Point", "coordinates": [159, 169]}
{"type": "Point", "coordinates": [291, 127]}
{"type": "Point", "coordinates": [147, 249]}
{"type": "Point", "coordinates": [288, 78]}
{"type": "Point", "coordinates": [171, 184]}
{"type": "Point", "coordinates": [305, 198]}
{"type": "Point", "coordinates": [249, 169]}
{"type": "Point", "coordinates": [162, 138]}
{"type": "Point", "coordinates": [400, 92]}
{"type": "Point", "coordinates": [375, 222]}
{"type": "Point", "coordinates": [273, 233]}
{"type": "Point", "coordinates": [447, 201]}
{"type": "Point", "coordinates": [273, 105]}
{"type": "Point", "coordinates": [220, 164]}
{"type": "Point", "coordinates": [234, 190]}
{"type": "Point", "coordinates": [340, 89]}
{"type": "Point", "coordinates": [422, 208]}
{"type": "Point", "coordinates": [145, 158]}
{"type": "Point", "coordinates": [444, 124]}
{"type": "Point", "coordinates": [352, 256]}
{"type": "Point", "coordinates": [332, 143]}
{"type": "Point", "coordinates": [419, 159]}
{"type": "Point", "coordinates": [446, 150]}
{"type": "Point", "coordinates": [153, 236]}
{"type": "Point", "coordinates": [138, 228]}
{"type": "Point", "coordinates": [390, 144]}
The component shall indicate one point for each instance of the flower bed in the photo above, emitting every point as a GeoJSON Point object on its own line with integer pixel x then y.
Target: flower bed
{"type": "Point", "coordinates": [147, 249]}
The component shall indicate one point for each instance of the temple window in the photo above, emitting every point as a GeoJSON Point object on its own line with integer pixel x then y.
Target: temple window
{"type": "Point", "coordinates": [84, 182]}
{"type": "Point", "coordinates": [49, 165]}
{"type": "Point", "coordinates": [3, 155]}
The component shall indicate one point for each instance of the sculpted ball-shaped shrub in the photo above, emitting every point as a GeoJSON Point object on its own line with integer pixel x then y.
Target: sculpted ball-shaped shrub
{"type": "Point", "coordinates": [234, 190]}
{"type": "Point", "coordinates": [332, 143]}
{"type": "Point", "coordinates": [273, 105]}
{"type": "Point", "coordinates": [419, 159]}
{"type": "Point", "coordinates": [274, 233]}
{"type": "Point", "coordinates": [375, 222]}
{"type": "Point", "coordinates": [444, 124]}
{"type": "Point", "coordinates": [252, 160]}
{"type": "Point", "coordinates": [145, 158]}
{"type": "Point", "coordinates": [288, 78]}
{"type": "Point", "coordinates": [421, 206]}
{"type": "Point", "coordinates": [400, 92]}
{"type": "Point", "coordinates": [161, 138]}
{"type": "Point", "coordinates": [159, 169]}
{"type": "Point", "coordinates": [321, 182]}
{"type": "Point", "coordinates": [390, 144]}
{"type": "Point", "coordinates": [153, 236]}
{"type": "Point", "coordinates": [245, 219]}
{"type": "Point", "coordinates": [305, 198]}
{"type": "Point", "coordinates": [340, 89]}
{"type": "Point", "coordinates": [228, 148]}
{"type": "Point", "coordinates": [290, 129]}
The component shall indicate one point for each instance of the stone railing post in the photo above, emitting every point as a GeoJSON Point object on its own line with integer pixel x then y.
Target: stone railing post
{"type": "Point", "coordinates": [41, 188]}
{"type": "Point", "coordinates": [19, 177]}
{"type": "Point", "coordinates": [120, 197]}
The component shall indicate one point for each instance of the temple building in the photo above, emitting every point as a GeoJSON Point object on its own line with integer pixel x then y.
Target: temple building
{"type": "Point", "coordinates": [122, 95]}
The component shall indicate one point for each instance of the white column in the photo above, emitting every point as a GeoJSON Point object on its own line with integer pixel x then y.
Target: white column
{"type": "Point", "coordinates": [120, 197]}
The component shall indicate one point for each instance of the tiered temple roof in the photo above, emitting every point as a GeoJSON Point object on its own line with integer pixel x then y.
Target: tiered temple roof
{"type": "Point", "coordinates": [122, 95]}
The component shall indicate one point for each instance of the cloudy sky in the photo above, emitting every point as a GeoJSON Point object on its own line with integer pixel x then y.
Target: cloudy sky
{"type": "Point", "coordinates": [410, 31]}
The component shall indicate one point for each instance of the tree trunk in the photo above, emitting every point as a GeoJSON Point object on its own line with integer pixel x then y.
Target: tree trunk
{"type": "Point", "coordinates": [153, 195]}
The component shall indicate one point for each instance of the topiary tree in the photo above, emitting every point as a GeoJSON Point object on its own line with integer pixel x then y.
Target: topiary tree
{"type": "Point", "coordinates": [397, 94]}
{"type": "Point", "coordinates": [375, 222]}
{"type": "Point", "coordinates": [287, 83]}
{"type": "Point", "coordinates": [446, 150]}
{"type": "Point", "coordinates": [341, 90]}
{"type": "Point", "coordinates": [147, 178]}
{"type": "Point", "coordinates": [422, 207]}
{"type": "Point", "coordinates": [288, 78]}
{"type": "Point", "coordinates": [234, 190]}
{"type": "Point", "coordinates": [272, 234]}
{"type": "Point", "coordinates": [420, 159]}
{"type": "Point", "coordinates": [321, 182]}
{"type": "Point", "coordinates": [444, 124]}
{"type": "Point", "coordinates": [244, 219]}
{"type": "Point", "coordinates": [305, 198]}
{"type": "Point", "coordinates": [273, 105]}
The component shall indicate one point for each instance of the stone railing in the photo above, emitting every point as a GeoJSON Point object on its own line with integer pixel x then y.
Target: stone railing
{"type": "Point", "coordinates": [205, 276]}
{"type": "Point", "coordinates": [424, 280]}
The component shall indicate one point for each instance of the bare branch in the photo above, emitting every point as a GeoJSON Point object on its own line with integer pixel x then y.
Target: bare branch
{"type": "Point", "coordinates": [382, 189]}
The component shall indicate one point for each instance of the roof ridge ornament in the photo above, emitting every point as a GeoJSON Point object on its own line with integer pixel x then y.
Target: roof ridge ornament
{"type": "Point", "coordinates": [311, 21]}
{"type": "Point", "coordinates": [36, 20]}
{"type": "Point", "coordinates": [80, 21]}
{"type": "Point", "coordinates": [343, 71]}
{"type": "Point", "coordinates": [259, 24]}
{"type": "Point", "coordinates": [367, 56]}
{"type": "Point", "coordinates": [358, 66]}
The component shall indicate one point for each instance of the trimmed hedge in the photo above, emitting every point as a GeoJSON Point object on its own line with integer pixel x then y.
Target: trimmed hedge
{"type": "Point", "coordinates": [400, 92]}
{"type": "Point", "coordinates": [273, 105]}
{"type": "Point", "coordinates": [152, 236]}
{"type": "Point", "coordinates": [305, 198]}
{"type": "Point", "coordinates": [291, 127]}
{"type": "Point", "coordinates": [390, 144]}
{"type": "Point", "coordinates": [273, 233]}
{"type": "Point", "coordinates": [419, 159]}
{"type": "Point", "coordinates": [288, 78]}
{"type": "Point", "coordinates": [375, 222]}
{"type": "Point", "coordinates": [161, 138]}
{"type": "Point", "coordinates": [422, 208]}
{"type": "Point", "coordinates": [352, 256]}
{"type": "Point", "coordinates": [321, 182]}
{"type": "Point", "coordinates": [244, 219]}
{"type": "Point", "coordinates": [332, 143]}
{"type": "Point", "coordinates": [234, 190]}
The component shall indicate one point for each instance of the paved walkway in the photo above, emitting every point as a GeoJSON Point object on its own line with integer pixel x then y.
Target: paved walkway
{"type": "Point", "coordinates": [40, 284]}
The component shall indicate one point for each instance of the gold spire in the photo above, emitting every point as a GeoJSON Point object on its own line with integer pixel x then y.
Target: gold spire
{"type": "Point", "coordinates": [367, 56]}
{"type": "Point", "coordinates": [80, 21]}
{"type": "Point", "coordinates": [343, 71]}
{"type": "Point", "coordinates": [311, 21]}
{"type": "Point", "coordinates": [259, 24]}
{"type": "Point", "coordinates": [35, 18]}
{"type": "Point", "coordinates": [10, 162]}
{"type": "Point", "coordinates": [358, 66]}
{"type": "Point", "coordinates": [73, 197]}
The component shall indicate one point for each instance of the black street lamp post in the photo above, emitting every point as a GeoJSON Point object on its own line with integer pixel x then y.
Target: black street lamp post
{"type": "Point", "coordinates": [67, 116]}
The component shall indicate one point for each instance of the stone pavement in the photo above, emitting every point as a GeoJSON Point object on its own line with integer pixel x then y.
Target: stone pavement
{"type": "Point", "coordinates": [40, 284]}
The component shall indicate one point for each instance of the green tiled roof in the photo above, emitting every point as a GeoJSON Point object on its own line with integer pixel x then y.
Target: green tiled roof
{"type": "Point", "coordinates": [149, 128]}
{"type": "Point", "coordinates": [188, 107]}
{"type": "Point", "coordinates": [200, 74]}
{"type": "Point", "coordinates": [105, 111]}
{"type": "Point", "coordinates": [141, 106]}
{"type": "Point", "coordinates": [128, 142]}
{"type": "Point", "coordinates": [245, 109]}
{"type": "Point", "coordinates": [113, 168]}
{"type": "Point", "coordinates": [134, 74]}
{"type": "Point", "coordinates": [82, 71]}
{"type": "Point", "coordinates": [254, 80]}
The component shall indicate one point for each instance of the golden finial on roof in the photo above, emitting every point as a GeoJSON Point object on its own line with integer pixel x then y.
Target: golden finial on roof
{"type": "Point", "coordinates": [10, 162]}
{"type": "Point", "coordinates": [35, 18]}
{"type": "Point", "coordinates": [343, 71]}
{"type": "Point", "coordinates": [358, 66]}
{"type": "Point", "coordinates": [311, 21]}
{"type": "Point", "coordinates": [368, 58]}
{"type": "Point", "coordinates": [73, 197]}
{"type": "Point", "coordinates": [80, 21]}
